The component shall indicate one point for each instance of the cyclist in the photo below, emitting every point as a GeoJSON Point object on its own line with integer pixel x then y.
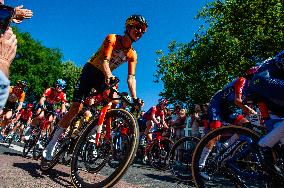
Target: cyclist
{"type": "Point", "coordinates": [15, 101]}
{"type": "Point", "coordinates": [155, 116]}
{"type": "Point", "coordinates": [23, 119]}
{"type": "Point", "coordinates": [115, 50]}
{"type": "Point", "coordinates": [268, 86]}
{"type": "Point", "coordinates": [47, 106]}
{"type": "Point", "coordinates": [223, 107]}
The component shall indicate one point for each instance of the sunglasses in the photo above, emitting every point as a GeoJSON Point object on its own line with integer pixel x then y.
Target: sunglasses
{"type": "Point", "coordinates": [140, 29]}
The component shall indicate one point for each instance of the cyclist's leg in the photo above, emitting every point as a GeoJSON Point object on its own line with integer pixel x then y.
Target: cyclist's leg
{"type": "Point", "coordinates": [149, 126]}
{"type": "Point", "coordinates": [267, 142]}
{"type": "Point", "coordinates": [14, 129]}
{"type": "Point", "coordinates": [7, 118]}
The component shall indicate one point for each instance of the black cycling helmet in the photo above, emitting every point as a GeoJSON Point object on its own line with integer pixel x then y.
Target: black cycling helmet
{"type": "Point", "coordinates": [136, 20]}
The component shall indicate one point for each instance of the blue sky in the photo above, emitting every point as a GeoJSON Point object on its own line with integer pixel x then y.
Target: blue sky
{"type": "Point", "coordinates": [78, 28]}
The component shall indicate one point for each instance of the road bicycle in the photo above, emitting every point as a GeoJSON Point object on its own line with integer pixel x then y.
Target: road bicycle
{"type": "Point", "coordinates": [238, 164]}
{"type": "Point", "coordinates": [30, 139]}
{"type": "Point", "coordinates": [181, 156]}
{"type": "Point", "coordinates": [93, 145]}
{"type": "Point", "coordinates": [156, 151]}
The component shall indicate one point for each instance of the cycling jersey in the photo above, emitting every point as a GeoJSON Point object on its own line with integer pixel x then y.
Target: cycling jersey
{"type": "Point", "coordinates": [268, 84]}
{"type": "Point", "coordinates": [113, 51]}
{"type": "Point", "coordinates": [16, 94]}
{"type": "Point", "coordinates": [92, 75]}
{"type": "Point", "coordinates": [222, 105]}
{"type": "Point", "coordinates": [157, 112]}
{"type": "Point", "coordinates": [272, 67]}
{"type": "Point", "coordinates": [53, 97]}
{"type": "Point", "coordinates": [25, 115]}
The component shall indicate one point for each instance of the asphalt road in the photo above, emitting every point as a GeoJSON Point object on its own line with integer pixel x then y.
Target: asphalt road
{"type": "Point", "coordinates": [16, 171]}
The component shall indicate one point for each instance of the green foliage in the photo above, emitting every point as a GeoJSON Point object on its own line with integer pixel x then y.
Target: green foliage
{"type": "Point", "coordinates": [40, 67]}
{"type": "Point", "coordinates": [237, 35]}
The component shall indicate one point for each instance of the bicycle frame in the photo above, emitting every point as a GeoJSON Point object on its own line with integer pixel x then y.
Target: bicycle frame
{"type": "Point", "coordinates": [100, 123]}
{"type": "Point", "coordinates": [158, 138]}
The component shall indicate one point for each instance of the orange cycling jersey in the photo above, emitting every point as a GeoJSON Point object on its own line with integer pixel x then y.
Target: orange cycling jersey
{"type": "Point", "coordinates": [16, 94]}
{"type": "Point", "coordinates": [113, 51]}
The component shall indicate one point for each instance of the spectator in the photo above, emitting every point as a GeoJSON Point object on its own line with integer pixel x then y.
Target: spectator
{"type": "Point", "coordinates": [20, 13]}
{"type": "Point", "coordinates": [175, 114]}
{"type": "Point", "coordinates": [195, 121]}
{"type": "Point", "coordinates": [8, 47]}
{"type": "Point", "coordinates": [204, 124]}
{"type": "Point", "coordinates": [179, 124]}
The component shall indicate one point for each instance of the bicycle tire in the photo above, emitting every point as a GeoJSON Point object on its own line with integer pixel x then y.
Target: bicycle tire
{"type": "Point", "coordinates": [186, 175]}
{"type": "Point", "coordinates": [27, 148]}
{"type": "Point", "coordinates": [114, 177]}
{"type": "Point", "coordinates": [9, 142]}
{"type": "Point", "coordinates": [210, 136]}
{"type": "Point", "coordinates": [162, 162]}
{"type": "Point", "coordinates": [36, 152]}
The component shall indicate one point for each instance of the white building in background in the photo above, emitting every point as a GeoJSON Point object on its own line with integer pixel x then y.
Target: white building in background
{"type": "Point", "coordinates": [187, 129]}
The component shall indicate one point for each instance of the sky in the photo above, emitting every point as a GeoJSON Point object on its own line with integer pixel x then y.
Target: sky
{"type": "Point", "coordinates": [78, 28]}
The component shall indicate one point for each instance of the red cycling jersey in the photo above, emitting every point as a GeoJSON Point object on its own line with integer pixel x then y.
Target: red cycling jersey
{"type": "Point", "coordinates": [157, 112]}
{"type": "Point", "coordinates": [53, 97]}
{"type": "Point", "coordinates": [25, 114]}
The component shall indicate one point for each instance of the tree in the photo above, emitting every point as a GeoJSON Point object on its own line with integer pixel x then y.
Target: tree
{"type": "Point", "coordinates": [40, 66]}
{"type": "Point", "coordinates": [236, 35]}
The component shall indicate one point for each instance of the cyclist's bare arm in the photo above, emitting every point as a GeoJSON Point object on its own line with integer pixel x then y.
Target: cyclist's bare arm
{"type": "Point", "coordinates": [163, 122]}
{"type": "Point", "coordinates": [154, 119]}
{"type": "Point", "coordinates": [63, 107]}
{"type": "Point", "coordinates": [42, 100]}
{"type": "Point", "coordinates": [238, 96]}
{"type": "Point", "coordinates": [131, 77]}
{"type": "Point", "coordinates": [107, 51]}
{"type": "Point", "coordinates": [20, 105]}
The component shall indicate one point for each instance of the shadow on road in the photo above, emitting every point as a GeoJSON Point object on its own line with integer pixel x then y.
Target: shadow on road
{"type": "Point", "coordinates": [33, 168]}
{"type": "Point", "coordinates": [169, 179]}
{"type": "Point", "coordinates": [12, 154]}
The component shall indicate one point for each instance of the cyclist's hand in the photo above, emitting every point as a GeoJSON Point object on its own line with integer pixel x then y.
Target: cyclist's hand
{"type": "Point", "coordinates": [138, 102]}
{"type": "Point", "coordinates": [160, 125]}
{"type": "Point", "coordinates": [111, 80]}
{"type": "Point", "coordinates": [249, 110]}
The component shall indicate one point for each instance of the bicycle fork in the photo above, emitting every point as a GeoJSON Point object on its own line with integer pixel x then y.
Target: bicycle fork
{"type": "Point", "coordinates": [100, 124]}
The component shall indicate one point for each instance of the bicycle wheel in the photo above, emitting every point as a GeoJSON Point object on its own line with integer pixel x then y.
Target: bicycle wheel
{"type": "Point", "coordinates": [27, 147]}
{"type": "Point", "coordinates": [105, 176]}
{"type": "Point", "coordinates": [9, 141]}
{"type": "Point", "coordinates": [159, 153]}
{"type": "Point", "coordinates": [181, 157]}
{"type": "Point", "coordinates": [234, 165]}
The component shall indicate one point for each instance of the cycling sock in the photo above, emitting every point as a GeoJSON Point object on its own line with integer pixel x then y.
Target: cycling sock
{"type": "Point", "coordinates": [274, 136]}
{"type": "Point", "coordinates": [47, 154]}
{"type": "Point", "coordinates": [204, 155]}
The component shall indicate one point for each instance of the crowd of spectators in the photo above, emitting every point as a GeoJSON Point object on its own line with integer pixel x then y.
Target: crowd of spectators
{"type": "Point", "coordinates": [192, 123]}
